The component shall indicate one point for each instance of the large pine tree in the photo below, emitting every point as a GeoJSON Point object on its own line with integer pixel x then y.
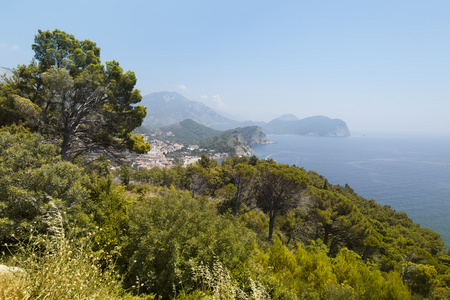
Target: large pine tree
{"type": "Point", "coordinates": [83, 105]}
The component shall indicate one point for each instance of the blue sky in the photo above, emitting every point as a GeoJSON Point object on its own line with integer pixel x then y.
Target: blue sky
{"type": "Point", "coordinates": [378, 65]}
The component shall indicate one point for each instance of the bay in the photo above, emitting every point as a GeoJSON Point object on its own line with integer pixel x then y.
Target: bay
{"type": "Point", "coordinates": [411, 173]}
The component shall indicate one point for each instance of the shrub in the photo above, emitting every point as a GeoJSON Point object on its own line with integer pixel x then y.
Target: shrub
{"type": "Point", "coordinates": [168, 230]}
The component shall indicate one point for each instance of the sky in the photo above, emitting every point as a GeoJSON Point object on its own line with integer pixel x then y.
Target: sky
{"type": "Point", "coordinates": [378, 65]}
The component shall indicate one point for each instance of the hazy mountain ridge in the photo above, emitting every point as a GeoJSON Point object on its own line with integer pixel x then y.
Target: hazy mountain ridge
{"type": "Point", "coordinates": [312, 126]}
{"type": "Point", "coordinates": [166, 108]}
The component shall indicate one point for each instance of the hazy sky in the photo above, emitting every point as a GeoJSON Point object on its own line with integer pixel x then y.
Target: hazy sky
{"type": "Point", "coordinates": [378, 65]}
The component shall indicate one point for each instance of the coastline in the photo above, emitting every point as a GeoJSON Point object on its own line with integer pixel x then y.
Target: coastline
{"type": "Point", "coordinates": [407, 172]}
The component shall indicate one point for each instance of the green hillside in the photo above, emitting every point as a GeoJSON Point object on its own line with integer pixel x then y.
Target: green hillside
{"type": "Point", "coordinates": [226, 142]}
{"type": "Point", "coordinates": [185, 132]}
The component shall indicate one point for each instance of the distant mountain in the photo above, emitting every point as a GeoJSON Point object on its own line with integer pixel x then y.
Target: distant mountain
{"type": "Point", "coordinates": [236, 124]}
{"type": "Point", "coordinates": [313, 126]}
{"type": "Point", "coordinates": [287, 118]}
{"type": "Point", "coordinates": [166, 108]}
{"type": "Point", "coordinates": [290, 124]}
{"type": "Point", "coordinates": [5, 72]}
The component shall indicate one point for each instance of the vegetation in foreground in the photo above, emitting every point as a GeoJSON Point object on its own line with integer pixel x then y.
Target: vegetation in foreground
{"type": "Point", "coordinates": [202, 232]}
{"type": "Point", "coordinates": [242, 229]}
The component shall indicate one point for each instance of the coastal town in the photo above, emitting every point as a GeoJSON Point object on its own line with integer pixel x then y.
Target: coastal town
{"type": "Point", "coordinates": [160, 151]}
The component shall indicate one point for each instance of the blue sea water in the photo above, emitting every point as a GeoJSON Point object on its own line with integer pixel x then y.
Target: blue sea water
{"type": "Point", "coordinates": [408, 172]}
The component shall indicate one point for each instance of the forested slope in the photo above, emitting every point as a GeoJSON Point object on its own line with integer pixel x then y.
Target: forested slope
{"type": "Point", "coordinates": [204, 230]}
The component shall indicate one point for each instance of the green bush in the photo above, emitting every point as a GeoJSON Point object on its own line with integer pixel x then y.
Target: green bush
{"type": "Point", "coordinates": [168, 231]}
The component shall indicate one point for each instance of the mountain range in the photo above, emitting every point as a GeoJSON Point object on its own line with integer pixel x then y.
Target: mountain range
{"type": "Point", "coordinates": [313, 126]}
{"type": "Point", "coordinates": [167, 108]}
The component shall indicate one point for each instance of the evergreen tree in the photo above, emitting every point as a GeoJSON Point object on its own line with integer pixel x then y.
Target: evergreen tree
{"type": "Point", "coordinates": [278, 189]}
{"type": "Point", "coordinates": [83, 105]}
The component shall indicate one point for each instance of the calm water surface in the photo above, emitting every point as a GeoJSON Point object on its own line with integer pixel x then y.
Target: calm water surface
{"type": "Point", "coordinates": [409, 173]}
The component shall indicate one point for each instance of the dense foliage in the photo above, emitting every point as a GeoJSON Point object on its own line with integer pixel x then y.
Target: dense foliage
{"type": "Point", "coordinates": [245, 226]}
{"type": "Point", "coordinates": [170, 232]}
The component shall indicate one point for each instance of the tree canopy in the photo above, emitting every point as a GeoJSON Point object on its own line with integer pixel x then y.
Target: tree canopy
{"type": "Point", "coordinates": [278, 189]}
{"type": "Point", "coordinates": [75, 100]}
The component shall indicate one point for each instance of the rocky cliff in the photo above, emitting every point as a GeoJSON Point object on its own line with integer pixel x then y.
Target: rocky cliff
{"type": "Point", "coordinates": [253, 135]}
{"type": "Point", "coordinates": [246, 137]}
{"type": "Point", "coordinates": [242, 148]}
{"type": "Point", "coordinates": [236, 141]}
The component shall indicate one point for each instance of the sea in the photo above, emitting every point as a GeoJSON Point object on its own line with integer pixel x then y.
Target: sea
{"type": "Point", "coordinates": [409, 172]}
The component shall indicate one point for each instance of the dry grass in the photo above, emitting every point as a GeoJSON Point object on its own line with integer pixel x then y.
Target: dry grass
{"type": "Point", "coordinates": [61, 271]}
{"type": "Point", "coordinates": [217, 284]}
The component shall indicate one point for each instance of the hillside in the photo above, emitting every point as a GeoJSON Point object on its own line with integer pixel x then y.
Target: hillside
{"type": "Point", "coordinates": [231, 142]}
{"type": "Point", "coordinates": [253, 135]}
{"type": "Point", "coordinates": [184, 132]}
{"type": "Point", "coordinates": [245, 225]}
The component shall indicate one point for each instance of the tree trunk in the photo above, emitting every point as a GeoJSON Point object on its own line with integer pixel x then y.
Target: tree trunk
{"type": "Point", "coordinates": [326, 234]}
{"type": "Point", "coordinates": [271, 223]}
{"type": "Point", "coordinates": [65, 146]}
